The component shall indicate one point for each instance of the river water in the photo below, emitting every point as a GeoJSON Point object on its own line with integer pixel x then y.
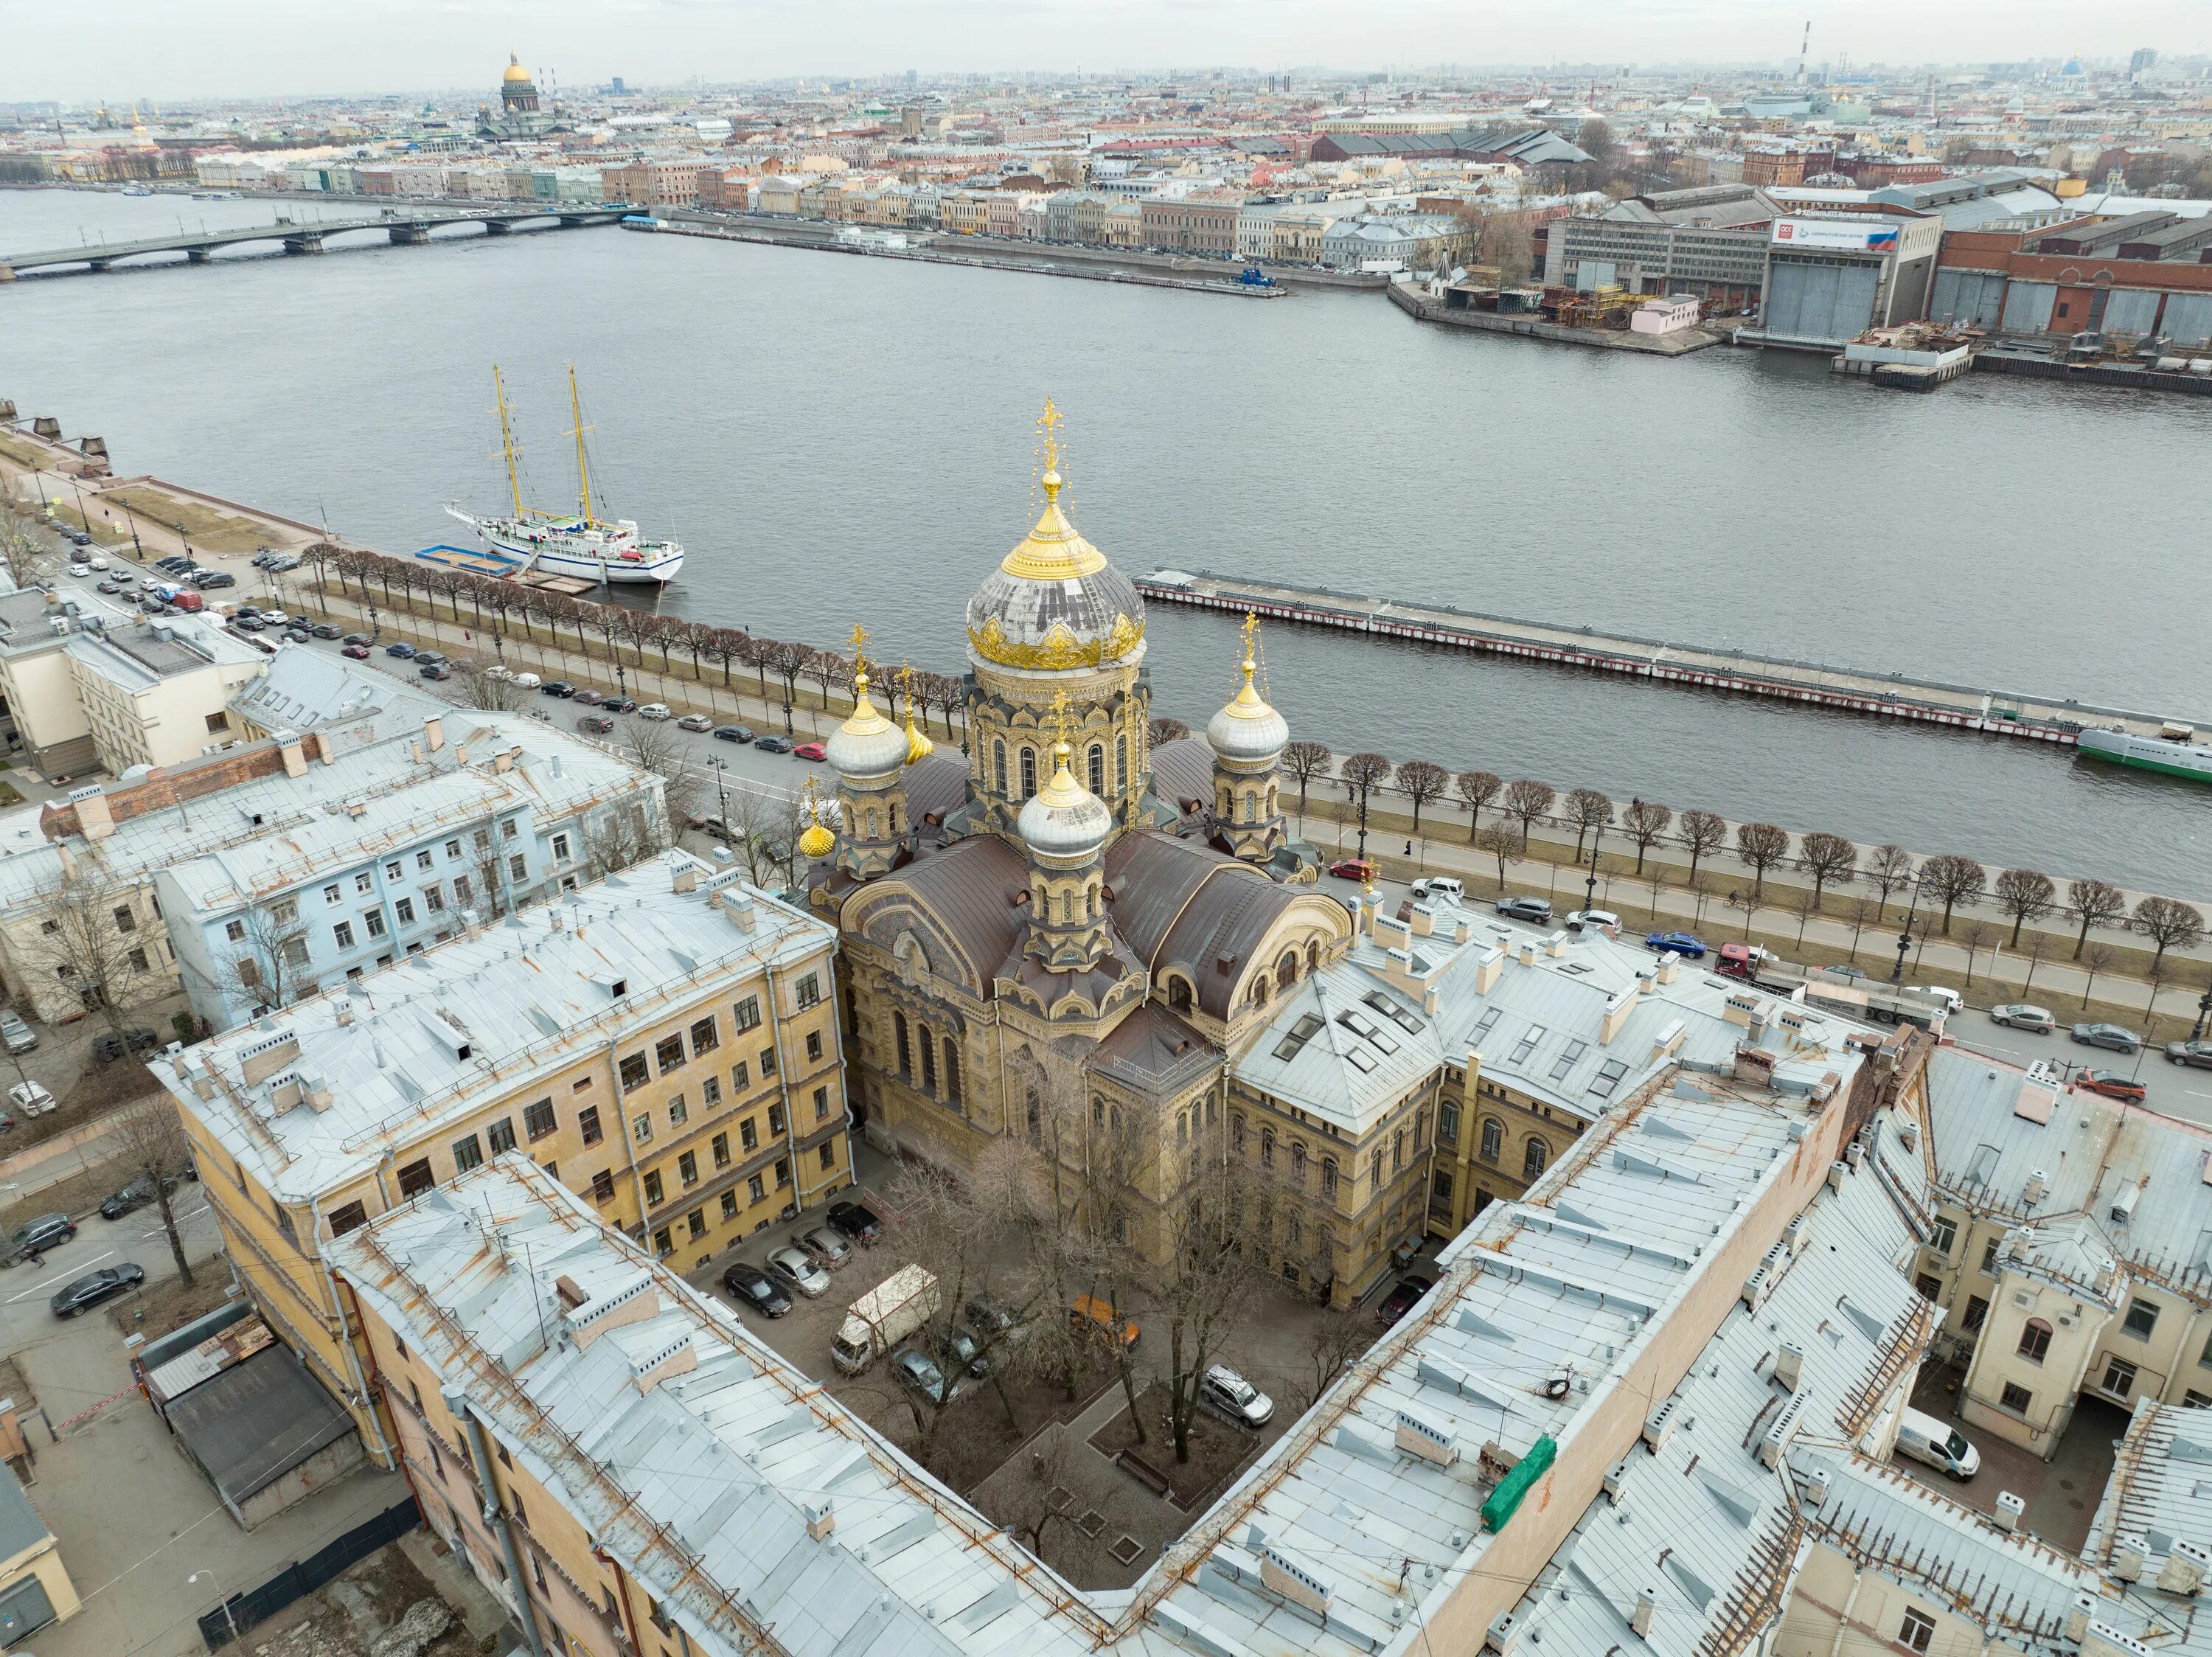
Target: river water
{"type": "Point", "coordinates": [837, 439]}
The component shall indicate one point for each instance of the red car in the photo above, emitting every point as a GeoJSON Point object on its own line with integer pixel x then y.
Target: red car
{"type": "Point", "coordinates": [358, 652]}
{"type": "Point", "coordinates": [2111, 1084]}
{"type": "Point", "coordinates": [811, 750]}
{"type": "Point", "coordinates": [1352, 868]}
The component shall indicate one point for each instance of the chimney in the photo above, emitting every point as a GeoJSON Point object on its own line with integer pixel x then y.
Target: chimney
{"type": "Point", "coordinates": [677, 1357]}
{"type": "Point", "coordinates": [1488, 970]}
{"type": "Point", "coordinates": [821, 1520]}
{"type": "Point", "coordinates": [1647, 1607]}
{"type": "Point", "coordinates": [326, 750]}
{"type": "Point", "coordinates": [2185, 1567]}
{"type": "Point", "coordinates": [737, 905]}
{"type": "Point", "coordinates": [633, 1303]}
{"type": "Point", "coordinates": [2129, 1555]}
{"type": "Point", "coordinates": [1668, 965]}
{"type": "Point", "coordinates": [93, 818]}
{"type": "Point", "coordinates": [686, 878]}
{"type": "Point", "coordinates": [2037, 1185]}
{"type": "Point", "coordinates": [2008, 1511]}
{"type": "Point", "coordinates": [503, 760]}
{"type": "Point", "coordinates": [1527, 952]}
{"type": "Point", "coordinates": [294, 756]}
{"type": "Point", "coordinates": [434, 731]}
{"type": "Point", "coordinates": [1789, 1364]}
{"type": "Point", "coordinates": [1617, 1012]}
{"type": "Point", "coordinates": [1556, 945]}
{"type": "Point", "coordinates": [1816, 1486]}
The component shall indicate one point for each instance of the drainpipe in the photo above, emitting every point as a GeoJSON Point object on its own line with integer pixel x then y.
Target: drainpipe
{"type": "Point", "coordinates": [622, 1593]}
{"type": "Point", "coordinates": [376, 1380]}
{"type": "Point", "coordinates": [495, 1515]}
{"type": "Point", "coordinates": [629, 1145]}
{"type": "Point", "coordinates": [384, 1167]}
{"type": "Point", "coordinates": [1844, 1617]}
{"type": "Point", "coordinates": [783, 1090]}
{"type": "Point", "coordinates": [345, 1336]}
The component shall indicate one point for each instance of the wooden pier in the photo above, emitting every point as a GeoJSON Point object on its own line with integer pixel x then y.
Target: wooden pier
{"type": "Point", "coordinates": [2003, 712]}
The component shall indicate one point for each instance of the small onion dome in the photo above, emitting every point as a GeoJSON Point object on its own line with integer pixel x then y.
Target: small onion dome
{"type": "Point", "coordinates": [1248, 731]}
{"type": "Point", "coordinates": [918, 745]}
{"type": "Point", "coordinates": [866, 745]}
{"type": "Point", "coordinates": [1063, 818]}
{"type": "Point", "coordinates": [817, 842]}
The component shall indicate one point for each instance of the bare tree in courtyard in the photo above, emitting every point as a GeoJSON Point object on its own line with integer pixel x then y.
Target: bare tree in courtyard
{"type": "Point", "coordinates": [90, 938]}
{"type": "Point", "coordinates": [1421, 781]}
{"type": "Point", "coordinates": [1587, 809]}
{"type": "Point", "coordinates": [1501, 841]}
{"type": "Point", "coordinates": [1524, 801]}
{"type": "Point", "coordinates": [2026, 894]}
{"type": "Point", "coordinates": [150, 1140]}
{"type": "Point", "coordinates": [1646, 822]}
{"type": "Point", "coordinates": [1204, 1286]}
{"type": "Point", "coordinates": [1954, 880]}
{"type": "Point", "coordinates": [1306, 761]}
{"type": "Point", "coordinates": [268, 956]}
{"type": "Point", "coordinates": [1830, 859]}
{"type": "Point", "coordinates": [1702, 831]}
{"type": "Point", "coordinates": [1476, 789]}
{"type": "Point", "coordinates": [2095, 903]}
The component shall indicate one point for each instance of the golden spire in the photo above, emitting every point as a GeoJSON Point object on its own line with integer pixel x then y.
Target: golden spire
{"type": "Point", "coordinates": [1053, 550]}
{"type": "Point", "coordinates": [817, 841]}
{"type": "Point", "coordinates": [1049, 425]}
{"type": "Point", "coordinates": [917, 744]}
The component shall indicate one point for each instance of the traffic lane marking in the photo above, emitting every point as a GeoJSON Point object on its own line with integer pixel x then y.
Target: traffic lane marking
{"type": "Point", "coordinates": [69, 1276]}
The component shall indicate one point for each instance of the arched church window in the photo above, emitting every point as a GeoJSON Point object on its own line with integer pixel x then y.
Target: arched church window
{"type": "Point", "coordinates": [1251, 806]}
{"type": "Point", "coordinates": [951, 1072]}
{"type": "Point", "coordinates": [1029, 772]}
{"type": "Point", "coordinates": [893, 811]}
{"type": "Point", "coordinates": [1313, 956]}
{"type": "Point", "coordinates": [1098, 768]}
{"type": "Point", "coordinates": [905, 1049]}
{"type": "Point", "coordinates": [872, 825]}
{"type": "Point", "coordinates": [999, 768]}
{"type": "Point", "coordinates": [1122, 765]}
{"type": "Point", "coordinates": [1179, 995]}
{"type": "Point", "coordinates": [929, 1062]}
{"type": "Point", "coordinates": [1260, 991]}
{"type": "Point", "coordinates": [1286, 969]}
{"type": "Point", "coordinates": [1068, 908]}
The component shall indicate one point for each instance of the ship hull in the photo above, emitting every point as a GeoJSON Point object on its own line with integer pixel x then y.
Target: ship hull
{"type": "Point", "coordinates": [610, 556]}
{"type": "Point", "coordinates": [2148, 753]}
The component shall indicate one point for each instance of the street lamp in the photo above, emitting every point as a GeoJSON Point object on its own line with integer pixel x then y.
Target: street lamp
{"type": "Point", "coordinates": [1590, 886]}
{"type": "Point", "coordinates": [1363, 822]}
{"type": "Point", "coordinates": [1905, 937]}
{"type": "Point", "coordinates": [721, 797]}
{"type": "Point", "coordinates": [2203, 1012]}
{"type": "Point", "coordinates": [227, 1615]}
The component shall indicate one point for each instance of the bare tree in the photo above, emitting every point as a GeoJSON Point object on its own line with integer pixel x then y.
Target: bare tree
{"type": "Point", "coordinates": [268, 964]}
{"type": "Point", "coordinates": [1862, 911]}
{"type": "Point", "coordinates": [90, 938]}
{"type": "Point", "coordinates": [1524, 801]}
{"type": "Point", "coordinates": [1421, 781]}
{"type": "Point", "coordinates": [1976, 934]}
{"type": "Point", "coordinates": [1804, 902]}
{"type": "Point", "coordinates": [19, 545]}
{"type": "Point", "coordinates": [1476, 789]}
{"type": "Point", "coordinates": [1761, 845]}
{"type": "Point", "coordinates": [1165, 729]}
{"type": "Point", "coordinates": [1501, 841]}
{"type": "Point", "coordinates": [1587, 809]}
{"type": "Point", "coordinates": [2026, 894]}
{"type": "Point", "coordinates": [2095, 903]}
{"type": "Point", "coordinates": [1830, 859]}
{"type": "Point", "coordinates": [2169, 923]}
{"type": "Point", "coordinates": [2038, 945]}
{"type": "Point", "coordinates": [1702, 831]}
{"type": "Point", "coordinates": [1646, 822]}
{"type": "Point", "coordinates": [656, 745]}
{"type": "Point", "coordinates": [149, 1139]}
{"type": "Point", "coordinates": [1330, 1351]}
{"type": "Point", "coordinates": [1306, 761]}
{"type": "Point", "coordinates": [1954, 880]}
{"type": "Point", "coordinates": [486, 685]}
{"type": "Point", "coordinates": [1889, 868]}
{"type": "Point", "coordinates": [1203, 1287]}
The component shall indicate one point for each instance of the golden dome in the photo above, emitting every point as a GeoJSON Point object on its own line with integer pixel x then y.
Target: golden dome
{"type": "Point", "coordinates": [1053, 602]}
{"type": "Point", "coordinates": [516, 75]}
{"type": "Point", "coordinates": [918, 745]}
{"type": "Point", "coordinates": [817, 842]}
{"type": "Point", "coordinates": [1053, 552]}
{"type": "Point", "coordinates": [866, 744]}
{"type": "Point", "coordinates": [1248, 731]}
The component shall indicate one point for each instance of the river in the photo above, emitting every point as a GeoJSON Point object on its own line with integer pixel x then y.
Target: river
{"type": "Point", "coordinates": [841, 439]}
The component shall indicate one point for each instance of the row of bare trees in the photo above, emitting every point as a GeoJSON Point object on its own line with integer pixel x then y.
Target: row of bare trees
{"type": "Point", "coordinates": [499, 605]}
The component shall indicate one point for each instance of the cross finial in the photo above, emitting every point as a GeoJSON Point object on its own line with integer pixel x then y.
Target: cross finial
{"type": "Point", "coordinates": [1251, 632]}
{"type": "Point", "coordinates": [1049, 425]}
{"type": "Point", "coordinates": [1059, 719]}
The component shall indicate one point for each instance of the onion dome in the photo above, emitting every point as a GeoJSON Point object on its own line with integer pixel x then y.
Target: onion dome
{"type": "Point", "coordinates": [1063, 818]}
{"type": "Point", "coordinates": [817, 840]}
{"type": "Point", "coordinates": [866, 745]}
{"type": "Point", "coordinates": [918, 745]}
{"type": "Point", "coordinates": [1248, 731]}
{"type": "Point", "coordinates": [1055, 603]}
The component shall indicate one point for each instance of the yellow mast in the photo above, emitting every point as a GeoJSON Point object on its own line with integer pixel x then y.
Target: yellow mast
{"type": "Point", "coordinates": [507, 440]}
{"type": "Point", "coordinates": [583, 472]}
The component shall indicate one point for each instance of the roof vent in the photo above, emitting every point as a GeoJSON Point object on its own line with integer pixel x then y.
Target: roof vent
{"type": "Point", "coordinates": [2124, 1204]}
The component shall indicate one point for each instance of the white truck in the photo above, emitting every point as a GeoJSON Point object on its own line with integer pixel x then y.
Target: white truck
{"type": "Point", "coordinates": [883, 1317]}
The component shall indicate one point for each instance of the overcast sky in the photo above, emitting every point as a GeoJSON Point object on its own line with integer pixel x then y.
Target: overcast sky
{"type": "Point", "coordinates": [122, 49]}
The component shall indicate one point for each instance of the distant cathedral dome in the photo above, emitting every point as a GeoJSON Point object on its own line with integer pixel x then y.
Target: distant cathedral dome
{"type": "Point", "coordinates": [866, 745]}
{"type": "Point", "coordinates": [1055, 603]}
{"type": "Point", "coordinates": [1248, 731]}
{"type": "Point", "coordinates": [516, 91]}
{"type": "Point", "coordinates": [1063, 818]}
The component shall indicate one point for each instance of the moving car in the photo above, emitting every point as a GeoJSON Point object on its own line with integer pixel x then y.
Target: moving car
{"type": "Point", "coordinates": [435, 670]}
{"type": "Point", "coordinates": [1352, 868]}
{"type": "Point", "coordinates": [619, 704]}
{"type": "Point", "coordinates": [559, 687]}
{"type": "Point", "coordinates": [2196, 1053]}
{"type": "Point", "coordinates": [1090, 1312]}
{"type": "Point", "coordinates": [1401, 1299]}
{"type": "Point", "coordinates": [298, 636]}
{"type": "Point", "coordinates": [92, 1289]}
{"type": "Point", "coordinates": [1687, 945]}
{"type": "Point", "coordinates": [523, 681]}
{"type": "Point", "coordinates": [18, 1036]}
{"type": "Point", "coordinates": [435, 658]}
{"type": "Point", "coordinates": [359, 638]}
{"type": "Point", "coordinates": [794, 1270]}
{"type": "Point", "coordinates": [695, 722]}
{"type": "Point", "coordinates": [822, 1245]}
{"type": "Point", "coordinates": [2022, 1016]}
{"type": "Point", "coordinates": [400, 648]}
{"type": "Point", "coordinates": [811, 750]}
{"type": "Point", "coordinates": [2116, 1038]}
{"type": "Point", "coordinates": [851, 1219]}
{"type": "Point", "coordinates": [325, 630]}
{"type": "Point", "coordinates": [2111, 1084]}
{"type": "Point", "coordinates": [358, 652]}
{"type": "Point", "coordinates": [107, 1048]}
{"type": "Point", "coordinates": [655, 711]}
{"type": "Point", "coordinates": [772, 743]}
{"type": "Point", "coordinates": [29, 1242]}
{"type": "Point", "coordinates": [917, 1371]}
{"type": "Point", "coordinates": [757, 1289]}
{"type": "Point", "coordinates": [136, 1195]}
{"type": "Point", "coordinates": [1227, 1394]}
{"type": "Point", "coordinates": [588, 698]}
{"type": "Point", "coordinates": [732, 733]}
{"type": "Point", "coordinates": [1525, 909]}
{"type": "Point", "coordinates": [1937, 1443]}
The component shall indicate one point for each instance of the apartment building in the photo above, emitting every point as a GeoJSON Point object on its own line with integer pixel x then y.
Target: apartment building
{"type": "Point", "coordinates": [660, 1042]}
{"type": "Point", "coordinates": [158, 691]}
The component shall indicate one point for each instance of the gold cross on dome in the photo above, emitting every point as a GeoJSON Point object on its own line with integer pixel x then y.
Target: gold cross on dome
{"type": "Point", "coordinates": [859, 646]}
{"type": "Point", "coordinates": [1059, 717]}
{"type": "Point", "coordinates": [1049, 425]}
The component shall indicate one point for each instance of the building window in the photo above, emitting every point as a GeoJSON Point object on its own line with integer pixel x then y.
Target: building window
{"type": "Point", "coordinates": [235, 931]}
{"type": "Point", "coordinates": [404, 908]}
{"type": "Point", "coordinates": [748, 1014]}
{"type": "Point", "coordinates": [371, 921]}
{"type": "Point", "coordinates": [1947, 1233]}
{"type": "Point", "coordinates": [722, 1149]}
{"type": "Point", "coordinates": [1328, 1177]}
{"type": "Point", "coordinates": [1121, 763]}
{"type": "Point", "coordinates": [1493, 1138]}
{"type": "Point", "coordinates": [559, 848]}
{"type": "Point", "coordinates": [1533, 1159]}
{"type": "Point", "coordinates": [826, 1154]}
{"type": "Point", "coordinates": [634, 1071]}
{"type": "Point", "coordinates": [821, 1103]}
{"type": "Point", "coordinates": [2142, 1318]}
{"type": "Point", "coordinates": [1267, 1147]}
{"type": "Point", "coordinates": [2034, 1340]}
{"type": "Point", "coordinates": [1034, 1113]}
{"type": "Point", "coordinates": [2120, 1377]}
{"type": "Point", "coordinates": [603, 1186]}
{"type": "Point", "coordinates": [929, 1062]}
{"type": "Point", "coordinates": [755, 1189]}
{"type": "Point", "coordinates": [1990, 1257]}
{"type": "Point", "coordinates": [1029, 772]}
{"type": "Point", "coordinates": [500, 1136]}
{"type": "Point", "coordinates": [748, 1134]}
{"type": "Point", "coordinates": [1098, 768]}
{"type": "Point", "coordinates": [1918, 1629]}
{"type": "Point", "coordinates": [652, 1188]}
{"type": "Point", "coordinates": [329, 894]}
{"type": "Point", "coordinates": [415, 1178]}
{"type": "Point", "coordinates": [1374, 1169]}
{"type": "Point", "coordinates": [364, 881]}
{"type": "Point", "coordinates": [775, 1120]}
{"type": "Point", "coordinates": [782, 1172]}
{"type": "Point", "coordinates": [668, 1053]}
{"type": "Point", "coordinates": [538, 1120]}
{"type": "Point", "coordinates": [467, 1154]}
{"type": "Point", "coordinates": [641, 1128]}
{"type": "Point", "coordinates": [809, 990]}
{"type": "Point", "coordinates": [729, 1205]}
{"type": "Point", "coordinates": [342, 935]}
{"type": "Point", "coordinates": [1929, 1285]}
{"type": "Point", "coordinates": [1448, 1123]}
{"type": "Point", "coordinates": [351, 1217]}
{"type": "Point", "coordinates": [687, 1168]}
{"type": "Point", "coordinates": [951, 1072]}
{"type": "Point", "coordinates": [813, 1046]}
{"type": "Point", "coordinates": [1977, 1312]}
{"type": "Point", "coordinates": [587, 1123]}
{"type": "Point", "coordinates": [696, 1223]}
{"type": "Point", "coordinates": [663, 1244]}
{"type": "Point", "coordinates": [706, 1036]}
{"type": "Point", "coordinates": [905, 1046]}
{"type": "Point", "coordinates": [517, 867]}
{"type": "Point", "coordinates": [2016, 1397]}
{"type": "Point", "coordinates": [1441, 1188]}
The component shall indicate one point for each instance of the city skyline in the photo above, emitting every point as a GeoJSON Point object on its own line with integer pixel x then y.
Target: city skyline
{"type": "Point", "coordinates": [255, 49]}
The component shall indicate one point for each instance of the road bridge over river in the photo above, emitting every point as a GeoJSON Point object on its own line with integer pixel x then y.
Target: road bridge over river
{"type": "Point", "coordinates": [402, 226]}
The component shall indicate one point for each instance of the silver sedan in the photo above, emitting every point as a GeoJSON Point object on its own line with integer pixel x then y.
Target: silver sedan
{"type": "Point", "coordinates": [794, 1270]}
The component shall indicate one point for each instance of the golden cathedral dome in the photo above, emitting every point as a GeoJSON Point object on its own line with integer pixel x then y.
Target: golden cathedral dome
{"type": "Point", "coordinates": [1053, 602]}
{"type": "Point", "coordinates": [516, 75]}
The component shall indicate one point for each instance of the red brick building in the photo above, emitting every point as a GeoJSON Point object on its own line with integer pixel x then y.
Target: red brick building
{"type": "Point", "coordinates": [2146, 276]}
{"type": "Point", "coordinates": [1189, 225]}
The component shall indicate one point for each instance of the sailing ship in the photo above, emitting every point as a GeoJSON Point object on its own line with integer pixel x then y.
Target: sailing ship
{"type": "Point", "coordinates": [580, 543]}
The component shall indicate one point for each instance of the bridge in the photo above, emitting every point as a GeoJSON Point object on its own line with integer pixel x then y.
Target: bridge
{"type": "Point", "coordinates": [402, 228]}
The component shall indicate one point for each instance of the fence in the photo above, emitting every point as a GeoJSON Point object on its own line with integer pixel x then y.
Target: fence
{"type": "Point", "coordinates": [303, 1576]}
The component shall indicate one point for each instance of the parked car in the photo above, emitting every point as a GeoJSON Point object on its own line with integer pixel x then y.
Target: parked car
{"type": "Point", "coordinates": [176, 563]}
{"type": "Point", "coordinates": [1401, 1299]}
{"type": "Point", "coordinates": [358, 652]}
{"type": "Point", "coordinates": [772, 743]}
{"type": "Point", "coordinates": [94, 560]}
{"type": "Point", "coordinates": [298, 636]}
{"type": "Point", "coordinates": [1352, 868]}
{"type": "Point", "coordinates": [435, 670]}
{"type": "Point", "coordinates": [89, 1291]}
{"type": "Point", "coordinates": [1090, 1312]}
{"type": "Point", "coordinates": [2114, 1038]}
{"type": "Point", "coordinates": [31, 1097]}
{"type": "Point", "coordinates": [248, 623]}
{"type": "Point", "coordinates": [920, 1373]}
{"type": "Point", "coordinates": [525, 681]}
{"type": "Point", "coordinates": [993, 1322]}
{"type": "Point", "coordinates": [1228, 1394]}
{"type": "Point", "coordinates": [81, 571]}
{"type": "Point", "coordinates": [811, 750]}
{"type": "Point", "coordinates": [2196, 1053]}
{"type": "Point", "coordinates": [435, 658]}
{"type": "Point", "coordinates": [964, 1352]}
{"type": "Point", "coordinates": [757, 1289]}
{"type": "Point", "coordinates": [325, 630]}
{"type": "Point", "coordinates": [655, 711]}
{"type": "Point", "coordinates": [278, 618]}
{"type": "Point", "coordinates": [208, 580]}
{"type": "Point", "coordinates": [695, 722]}
{"type": "Point", "coordinates": [713, 827]}
{"type": "Point", "coordinates": [1438, 888]}
{"type": "Point", "coordinates": [109, 587]}
{"type": "Point", "coordinates": [824, 1245]}
{"type": "Point", "coordinates": [260, 560]}
{"type": "Point", "coordinates": [1525, 909]}
{"type": "Point", "coordinates": [793, 1270]}
{"type": "Point", "coordinates": [556, 687]}
{"type": "Point", "coordinates": [136, 1195]}
{"type": "Point", "coordinates": [1595, 920]}
{"type": "Point", "coordinates": [1687, 945]}
{"type": "Point", "coordinates": [31, 1242]}
{"type": "Point", "coordinates": [107, 1048]}
{"type": "Point", "coordinates": [587, 698]}
{"type": "Point", "coordinates": [596, 725]}
{"type": "Point", "coordinates": [282, 562]}
{"type": "Point", "coordinates": [359, 638]}
{"type": "Point", "coordinates": [850, 1218]}
{"type": "Point", "coordinates": [2111, 1084]}
{"type": "Point", "coordinates": [1937, 1443]}
{"type": "Point", "coordinates": [400, 648]}
{"type": "Point", "coordinates": [2022, 1016]}
{"type": "Point", "coordinates": [732, 733]}
{"type": "Point", "coordinates": [18, 1036]}
{"type": "Point", "coordinates": [619, 704]}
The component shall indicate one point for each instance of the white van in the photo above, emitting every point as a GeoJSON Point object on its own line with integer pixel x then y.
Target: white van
{"type": "Point", "coordinates": [1937, 1443]}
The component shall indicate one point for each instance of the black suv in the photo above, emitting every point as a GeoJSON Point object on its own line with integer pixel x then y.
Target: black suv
{"type": "Point", "coordinates": [136, 1195]}
{"type": "Point", "coordinates": [107, 1048]}
{"type": "Point", "coordinates": [47, 1231]}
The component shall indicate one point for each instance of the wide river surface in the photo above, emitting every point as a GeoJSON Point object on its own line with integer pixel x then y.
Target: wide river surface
{"type": "Point", "coordinates": [837, 439]}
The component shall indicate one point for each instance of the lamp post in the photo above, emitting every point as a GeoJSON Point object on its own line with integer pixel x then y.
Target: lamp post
{"type": "Point", "coordinates": [2203, 1012]}
{"type": "Point", "coordinates": [721, 798]}
{"type": "Point", "coordinates": [375, 627]}
{"type": "Point", "coordinates": [1363, 822]}
{"type": "Point", "coordinates": [1589, 885]}
{"type": "Point", "coordinates": [228, 1615]}
{"type": "Point", "coordinates": [1905, 937]}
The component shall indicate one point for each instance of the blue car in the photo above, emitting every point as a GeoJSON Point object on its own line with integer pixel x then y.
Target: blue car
{"type": "Point", "coordinates": [1682, 943]}
{"type": "Point", "coordinates": [403, 649]}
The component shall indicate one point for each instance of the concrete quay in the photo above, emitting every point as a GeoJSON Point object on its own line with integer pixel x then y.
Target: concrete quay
{"type": "Point", "coordinates": [1891, 695]}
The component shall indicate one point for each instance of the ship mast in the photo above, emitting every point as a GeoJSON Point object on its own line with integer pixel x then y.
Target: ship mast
{"type": "Point", "coordinates": [506, 442]}
{"type": "Point", "coordinates": [583, 472]}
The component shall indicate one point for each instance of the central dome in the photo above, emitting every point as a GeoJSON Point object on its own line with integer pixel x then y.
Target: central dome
{"type": "Point", "coordinates": [1063, 818]}
{"type": "Point", "coordinates": [1055, 603]}
{"type": "Point", "coordinates": [516, 75]}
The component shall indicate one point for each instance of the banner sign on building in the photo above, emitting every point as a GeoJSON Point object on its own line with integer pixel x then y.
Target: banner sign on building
{"type": "Point", "coordinates": [1842, 234]}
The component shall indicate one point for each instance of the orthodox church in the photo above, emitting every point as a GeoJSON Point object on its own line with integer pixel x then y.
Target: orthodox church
{"type": "Point", "coordinates": [1068, 934]}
